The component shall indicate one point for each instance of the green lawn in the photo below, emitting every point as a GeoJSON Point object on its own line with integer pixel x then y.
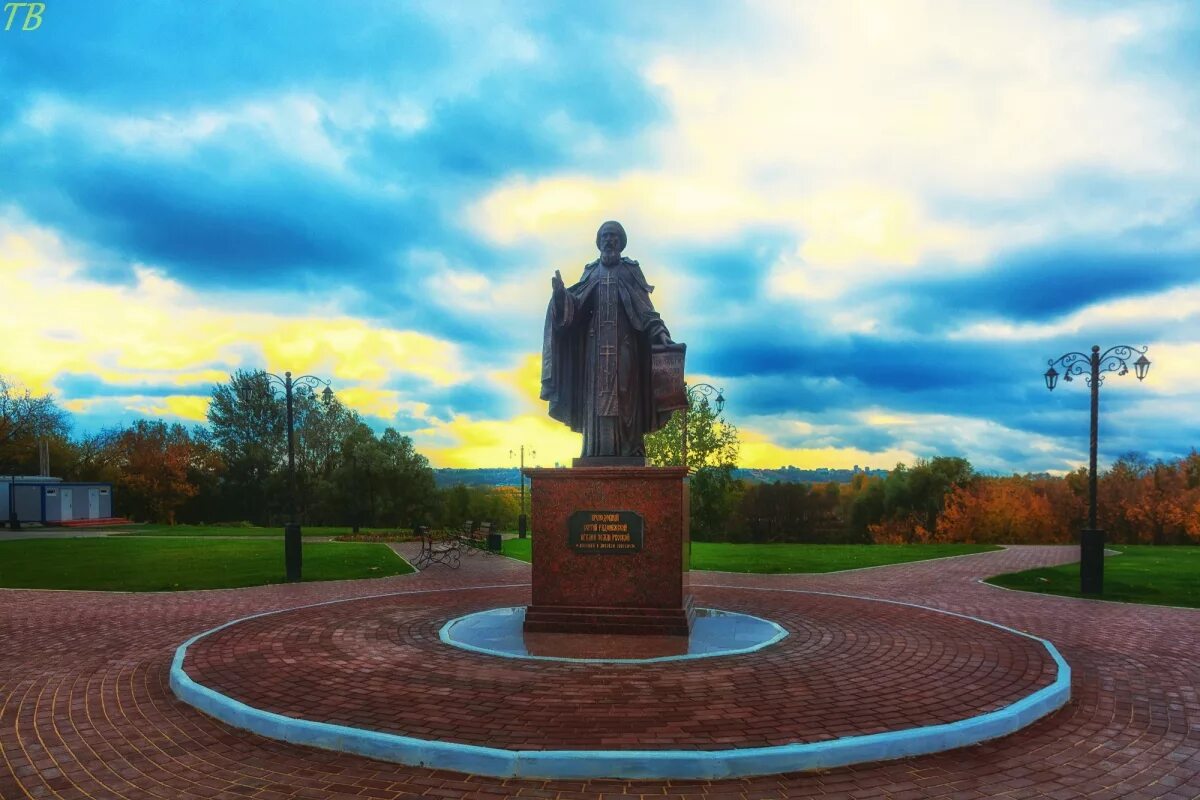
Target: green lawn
{"type": "Point", "coordinates": [517, 548]}
{"type": "Point", "coordinates": [766, 558]}
{"type": "Point", "coordinates": [1168, 576]}
{"type": "Point", "coordinates": [152, 565]}
{"type": "Point", "coordinates": [785, 558]}
{"type": "Point", "coordinates": [234, 530]}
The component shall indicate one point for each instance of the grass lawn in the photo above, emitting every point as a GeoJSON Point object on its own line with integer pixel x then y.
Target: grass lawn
{"type": "Point", "coordinates": [152, 565]}
{"type": "Point", "coordinates": [520, 549]}
{"type": "Point", "coordinates": [1143, 573]}
{"type": "Point", "coordinates": [234, 530]}
{"type": "Point", "coordinates": [787, 558]}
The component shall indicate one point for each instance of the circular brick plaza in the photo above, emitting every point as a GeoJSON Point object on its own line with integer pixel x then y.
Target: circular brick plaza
{"type": "Point", "coordinates": [848, 667]}
{"type": "Point", "coordinates": [86, 709]}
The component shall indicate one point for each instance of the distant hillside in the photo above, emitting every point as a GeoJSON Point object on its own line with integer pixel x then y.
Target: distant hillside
{"type": "Point", "coordinates": [488, 476]}
{"type": "Point", "coordinates": [508, 476]}
{"type": "Point", "coordinates": [797, 475]}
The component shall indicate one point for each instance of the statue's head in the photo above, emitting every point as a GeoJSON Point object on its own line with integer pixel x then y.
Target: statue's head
{"type": "Point", "coordinates": [611, 240]}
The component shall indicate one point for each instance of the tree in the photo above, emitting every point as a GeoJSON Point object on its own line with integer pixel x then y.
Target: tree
{"type": "Point", "coordinates": [999, 510]}
{"type": "Point", "coordinates": [381, 481]}
{"type": "Point", "coordinates": [407, 479]}
{"type": "Point", "coordinates": [712, 450]}
{"type": "Point", "coordinates": [248, 423]}
{"type": "Point", "coordinates": [1116, 493]}
{"type": "Point", "coordinates": [205, 469]}
{"type": "Point", "coordinates": [862, 505]}
{"type": "Point", "coordinates": [913, 498]}
{"type": "Point", "coordinates": [154, 462]}
{"type": "Point", "coordinates": [897, 499]}
{"type": "Point", "coordinates": [712, 441]}
{"type": "Point", "coordinates": [92, 457]}
{"type": "Point", "coordinates": [790, 512]}
{"type": "Point", "coordinates": [930, 482]}
{"type": "Point", "coordinates": [714, 494]}
{"type": "Point", "coordinates": [322, 424]}
{"type": "Point", "coordinates": [459, 503]}
{"type": "Point", "coordinates": [1161, 504]}
{"type": "Point", "coordinates": [1067, 499]}
{"type": "Point", "coordinates": [24, 419]}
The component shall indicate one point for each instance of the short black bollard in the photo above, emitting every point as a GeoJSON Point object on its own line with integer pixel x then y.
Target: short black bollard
{"type": "Point", "coordinates": [1091, 561]}
{"type": "Point", "coordinates": [291, 551]}
{"type": "Point", "coordinates": [522, 523]}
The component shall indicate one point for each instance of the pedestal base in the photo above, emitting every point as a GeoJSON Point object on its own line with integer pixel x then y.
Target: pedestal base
{"type": "Point", "coordinates": [611, 551]}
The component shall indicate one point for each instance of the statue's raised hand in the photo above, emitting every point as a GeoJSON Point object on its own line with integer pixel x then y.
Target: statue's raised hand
{"type": "Point", "coordinates": [556, 283]}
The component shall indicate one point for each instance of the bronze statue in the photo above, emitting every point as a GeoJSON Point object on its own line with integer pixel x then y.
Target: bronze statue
{"type": "Point", "coordinates": [600, 340]}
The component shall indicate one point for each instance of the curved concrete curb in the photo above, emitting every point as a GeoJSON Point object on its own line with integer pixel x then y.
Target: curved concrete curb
{"type": "Point", "coordinates": [447, 637]}
{"type": "Point", "coordinates": [630, 764]}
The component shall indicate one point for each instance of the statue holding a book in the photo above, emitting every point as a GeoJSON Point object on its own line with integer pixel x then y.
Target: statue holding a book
{"type": "Point", "coordinates": [610, 369]}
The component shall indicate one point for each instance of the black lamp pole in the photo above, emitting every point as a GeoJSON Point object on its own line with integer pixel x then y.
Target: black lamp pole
{"type": "Point", "coordinates": [354, 484]}
{"type": "Point", "coordinates": [707, 390]}
{"type": "Point", "coordinates": [1114, 359]}
{"type": "Point", "coordinates": [291, 530]}
{"type": "Point", "coordinates": [522, 520]}
{"type": "Point", "coordinates": [14, 524]}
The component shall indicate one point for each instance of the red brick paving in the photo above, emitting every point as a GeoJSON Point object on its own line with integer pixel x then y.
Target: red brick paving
{"type": "Point", "coordinates": [85, 710]}
{"type": "Point", "coordinates": [848, 667]}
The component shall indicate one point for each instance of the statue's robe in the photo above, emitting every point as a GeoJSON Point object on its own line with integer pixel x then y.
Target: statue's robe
{"type": "Point", "coordinates": [596, 359]}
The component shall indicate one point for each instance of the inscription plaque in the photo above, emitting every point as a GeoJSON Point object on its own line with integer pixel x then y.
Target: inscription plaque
{"type": "Point", "coordinates": [605, 532]}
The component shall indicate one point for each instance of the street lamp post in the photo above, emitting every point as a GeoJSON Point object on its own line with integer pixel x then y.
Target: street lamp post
{"type": "Point", "coordinates": [291, 530]}
{"type": "Point", "coordinates": [1114, 359]}
{"type": "Point", "coordinates": [705, 389]}
{"type": "Point", "coordinates": [14, 523]}
{"type": "Point", "coordinates": [522, 520]}
{"type": "Point", "coordinates": [354, 487]}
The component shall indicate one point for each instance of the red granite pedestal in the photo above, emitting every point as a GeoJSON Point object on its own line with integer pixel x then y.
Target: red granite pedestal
{"type": "Point", "coordinates": [600, 579]}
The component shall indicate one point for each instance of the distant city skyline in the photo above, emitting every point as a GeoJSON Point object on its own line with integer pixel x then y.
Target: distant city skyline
{"type": "Point", "coordinates": [873, 224]}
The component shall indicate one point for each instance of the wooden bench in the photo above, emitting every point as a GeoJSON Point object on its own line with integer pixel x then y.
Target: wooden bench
{"type": "Point", "coordinates": [437, 547]}
{"type": "Point", "coordinates": [476, 540]}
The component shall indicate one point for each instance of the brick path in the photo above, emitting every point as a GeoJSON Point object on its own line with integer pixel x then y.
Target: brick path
{"type": "Point", "coordinates": [848, 667]}
{"type": "Point", "coordinates": [85, 710]}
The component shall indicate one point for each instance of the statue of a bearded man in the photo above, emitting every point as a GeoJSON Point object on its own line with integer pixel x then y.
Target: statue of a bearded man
{"type": "Point", "coordinates": [597, 351]}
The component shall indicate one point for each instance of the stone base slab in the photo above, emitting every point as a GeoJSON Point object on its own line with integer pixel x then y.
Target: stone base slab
{"type": "Point", "coordinates": [611, 620]}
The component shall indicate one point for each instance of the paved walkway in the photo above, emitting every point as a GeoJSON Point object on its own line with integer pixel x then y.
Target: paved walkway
{"type": "Point", "coordinates": [85, 710]}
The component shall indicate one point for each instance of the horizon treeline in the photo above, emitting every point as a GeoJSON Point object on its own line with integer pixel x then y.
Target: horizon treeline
{"type": "Point", "coordinates": [944, 500]}
{"type": "Point", "coordinates": [234, 470]}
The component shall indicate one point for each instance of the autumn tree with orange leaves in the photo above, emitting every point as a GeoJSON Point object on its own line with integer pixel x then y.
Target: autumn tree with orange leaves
{"type": "Point", "coordinates": [1164, 506]}
{"type": "Point", "coordinates": [1139, 502]}
{"type": "Point", "coordinates": [155, 461]}
{"type": "Point", "coordinates": [995, 510]}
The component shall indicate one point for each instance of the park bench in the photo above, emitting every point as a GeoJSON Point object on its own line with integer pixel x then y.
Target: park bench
{"type": "Point", "coordinates": [437, 547]}
{"type": "Point", "coordinates": [476, 540]}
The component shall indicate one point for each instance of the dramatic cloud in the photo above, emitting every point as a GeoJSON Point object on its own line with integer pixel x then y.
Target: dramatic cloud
{"type": "Point", "coordinates": [872, 224]}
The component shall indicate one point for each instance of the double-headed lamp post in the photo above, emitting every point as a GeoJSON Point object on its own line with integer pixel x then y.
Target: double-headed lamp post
{"type": "Point", "coordinates": [699, 389]}
{"type": "Point", "coordinates": [522, 520]}
{"type": "Point", "coordinates": [291, 530]}
{"type": "Point", "coordinates": [1114, 359]}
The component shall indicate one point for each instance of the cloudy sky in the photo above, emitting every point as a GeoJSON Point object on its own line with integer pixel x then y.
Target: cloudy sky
{"type": "Point", "coordinates": [872, 223]}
